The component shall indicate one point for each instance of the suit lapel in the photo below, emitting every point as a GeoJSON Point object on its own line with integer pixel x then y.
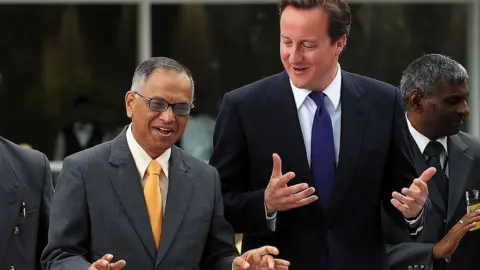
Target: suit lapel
{"type": "Point", "coordinates": [290, 144]}
{"type": "Point", "coordinates": [126, 180]}
{"type": "Point", "coordinates": [353, 124]}
{"type": "Point", "coordinates": [11, 194]}
{"type": "Point", "coordinates": [284, 111]}
{"type": "Point", "coordinates": [460, 162]}
{"type": "Point", "coordinates": [179, 191]}
{"type": "Point", "coordinates": [434, 193]}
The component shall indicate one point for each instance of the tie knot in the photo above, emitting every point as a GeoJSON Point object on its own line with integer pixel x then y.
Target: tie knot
{"type": "Point", "coordinates": [318, 98]}
{"type": "Point", "coordinates": [154, 168]}
{"type": "Point", "coordinates": [434, 149]}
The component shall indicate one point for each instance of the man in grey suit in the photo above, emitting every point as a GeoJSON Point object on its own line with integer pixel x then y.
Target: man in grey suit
{"type": "Point", "coordinates": [435, 91]}
{"type": "Point", "coordinates": [25, 194]}
{"type": "Point", "coordinates": [140, 198]}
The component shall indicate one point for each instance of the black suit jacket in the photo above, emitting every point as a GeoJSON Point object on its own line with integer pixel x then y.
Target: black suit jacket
{"type": "Point", "coordinates": [25, 177]}
{"type": "Point", "coordinates": [375, 159]}
{"type": "Point", "coordinates": [464, 175]}
{"type": "Point", "coordinates": [99, 208]}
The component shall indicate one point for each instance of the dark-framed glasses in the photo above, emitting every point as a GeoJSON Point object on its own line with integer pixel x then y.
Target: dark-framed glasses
{"type": "Point", "coordinates": [161, 105]}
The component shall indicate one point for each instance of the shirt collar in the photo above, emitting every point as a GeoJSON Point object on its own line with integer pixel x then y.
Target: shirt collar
{"type": "Point", "coordinates": [332, 91]}
{"type": "Point", "coordinates": [423, 141]}
{"type": "Point", "coordinates": [142, 159]}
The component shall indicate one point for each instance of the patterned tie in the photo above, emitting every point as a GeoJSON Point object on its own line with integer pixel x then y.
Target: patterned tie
{"type": "Point", "coordinates": [153, 198]}
{"type": "Point", "coordinates": [433, 151]}
{"type": "Point", "coordinates": [322, 150]}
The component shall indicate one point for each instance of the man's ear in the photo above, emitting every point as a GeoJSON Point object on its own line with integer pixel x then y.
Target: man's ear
{"type": "Point", "coordinates": [415, 100]}
{"type": "Point", "coordinates": [129, 103]}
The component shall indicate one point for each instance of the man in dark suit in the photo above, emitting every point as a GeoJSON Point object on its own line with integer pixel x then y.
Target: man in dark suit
{"type": "Point", "coordinates": [140, 198]}
{"type": "Point", "coordinates": [25, 194]}
{"type": "Point", "coordinates": [341, 133]}
{"type": "Point", "coordinates": [435, 91]}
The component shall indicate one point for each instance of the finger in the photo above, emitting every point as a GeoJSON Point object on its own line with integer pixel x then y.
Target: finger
{"type": "Point", "coordinates": [277, 165]}
{"type": "Point", "coordinates": [472, 214]}
{"type": "Point", "coordinates": [107, 257]}
{"type": "Point", "coordinates": [402, 208]}
{"type": "Point", "coordinates": [463, 230]}
{"type": "Point", "coordinates": [427, 174]}
{"type": "Point", "coordinates": [280, 262]}
{"type": "Point", "coordinates": [420, 186]}
{"type": "Point", "coordinates": [402, 198]}
{"type": "Point", "coordinates": [293, 199]}
{"type": "Point", "coordinates": [266, 250]}
{"type": "Point", "coordinates": [294, 189]}
{"type": "Point", "coordinates": [284, 179]}
{"type": "Point", "coordinates": [471, 219]}
{"type": "Point", "coordinates": [270, 262]}
{"type": "Point", "coordinates": [257, 258]}
{"type": "Point", "coordinates": [118, 265]}
{"type": "Point", "coordinates": [414, 196]}
{"type": "Point", "coordinates": [240, 263]}
{"type": "Point", "coordinates": [306, 201]}
{"type": "Point", "coordinates": [100, 264]}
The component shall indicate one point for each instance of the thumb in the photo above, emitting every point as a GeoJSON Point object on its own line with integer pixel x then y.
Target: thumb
{"type": "Point", "coordinates": [277, 165]}
{"type": "Point", "coordinates": [427, 174]}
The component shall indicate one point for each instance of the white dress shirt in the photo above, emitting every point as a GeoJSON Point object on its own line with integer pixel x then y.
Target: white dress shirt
{"type": "Point", "coordinates": [423, 141]}
{"type": "Point", "coordinates": [306, 109]}
{"type": "Point", "coordinates": [142, 160]}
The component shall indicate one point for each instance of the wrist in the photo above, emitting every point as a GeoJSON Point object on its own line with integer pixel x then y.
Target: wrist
{"type": "Point", "coordinates": [270, 210]}
{"type": "Point", "coordinates": [437, 254]}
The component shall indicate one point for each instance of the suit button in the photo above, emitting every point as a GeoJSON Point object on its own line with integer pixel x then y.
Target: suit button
{"type": "Point", "coordinates": [415, 267]}
{"type": "Point", "coordinates": [422, 267]}
{"type": "Point", "coordinates": [16, 231]}
{"type": "Point", "coordinates": [12, 267]}
{"type": "Point", "coordinates": [410, 267]}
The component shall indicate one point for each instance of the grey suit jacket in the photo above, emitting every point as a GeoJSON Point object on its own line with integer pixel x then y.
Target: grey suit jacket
{"type": "Point", "coordinates": [99, 208]}
{"type": "Point", "coordinates": [25, 177]}
{"type": "Point", "coordinates": [464, 175]}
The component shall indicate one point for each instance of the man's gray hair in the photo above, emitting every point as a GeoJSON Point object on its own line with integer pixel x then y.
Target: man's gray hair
{"type": "Point", "coordinates": [147, 67]}
{"type": "Point", "coordinates": [427, 72]}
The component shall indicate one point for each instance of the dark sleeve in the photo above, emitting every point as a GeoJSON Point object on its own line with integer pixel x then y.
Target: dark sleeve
{"type": "Point", "coordinates": [69, 234]}
{"type": "Point", "coordinates": [47, 193]}
{"type": "Point", "coordinates": [402, 251]}
{"type": "Point", "coordinates": [400, 169]}
{"type": "Point", "coordinates": [403, 255]}
{"type": "Point", "coordinates": [244, 208]}
{"type": "Point", "coordinates": [220, 247]}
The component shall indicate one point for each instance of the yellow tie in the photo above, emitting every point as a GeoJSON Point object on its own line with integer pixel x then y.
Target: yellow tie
{"type": "Point", "coordinates": [153, 198]}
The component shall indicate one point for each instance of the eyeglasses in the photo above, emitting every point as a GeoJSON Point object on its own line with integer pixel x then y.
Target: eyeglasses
{"type": "Point", "coordinates": [161, 105]}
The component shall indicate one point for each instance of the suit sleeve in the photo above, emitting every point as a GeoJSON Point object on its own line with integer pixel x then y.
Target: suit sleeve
{"type": "Point", "coordinates": [68, 237]}
{"type": "Point", "coordinates": [244, 208]}
{"type": "Point", "coordinates": [400, 169]}
{"type": "Point", "coordinates": [220, 247]}
{"type": "Point", "coordinates": [402, 251]}
{"type": "Point", "coordinates": [401, 256]}
{"type": "Point", "coordinates": [47, 193]}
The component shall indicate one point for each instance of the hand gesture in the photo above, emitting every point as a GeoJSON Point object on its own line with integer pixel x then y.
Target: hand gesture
{"type": "Point", "coordinates": [260, 259]}
{"type": "Point", "coordinates": [414, 197]}
{"type": "Point", "coordinates": [280, 197]}
{"type": "Point", "coordinates": [105, 263]}
{"type": "Point", "coordinates": [445, 248]}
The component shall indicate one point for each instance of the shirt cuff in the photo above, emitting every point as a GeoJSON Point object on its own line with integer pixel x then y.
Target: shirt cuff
{"type": "Point", "coordinates": [271, 219]}
{"type": "Point", "coordinates": [416, 225]}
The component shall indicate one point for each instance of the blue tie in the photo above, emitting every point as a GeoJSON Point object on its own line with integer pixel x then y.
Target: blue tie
{"type": "Point", "coordinates": [322, 160]}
